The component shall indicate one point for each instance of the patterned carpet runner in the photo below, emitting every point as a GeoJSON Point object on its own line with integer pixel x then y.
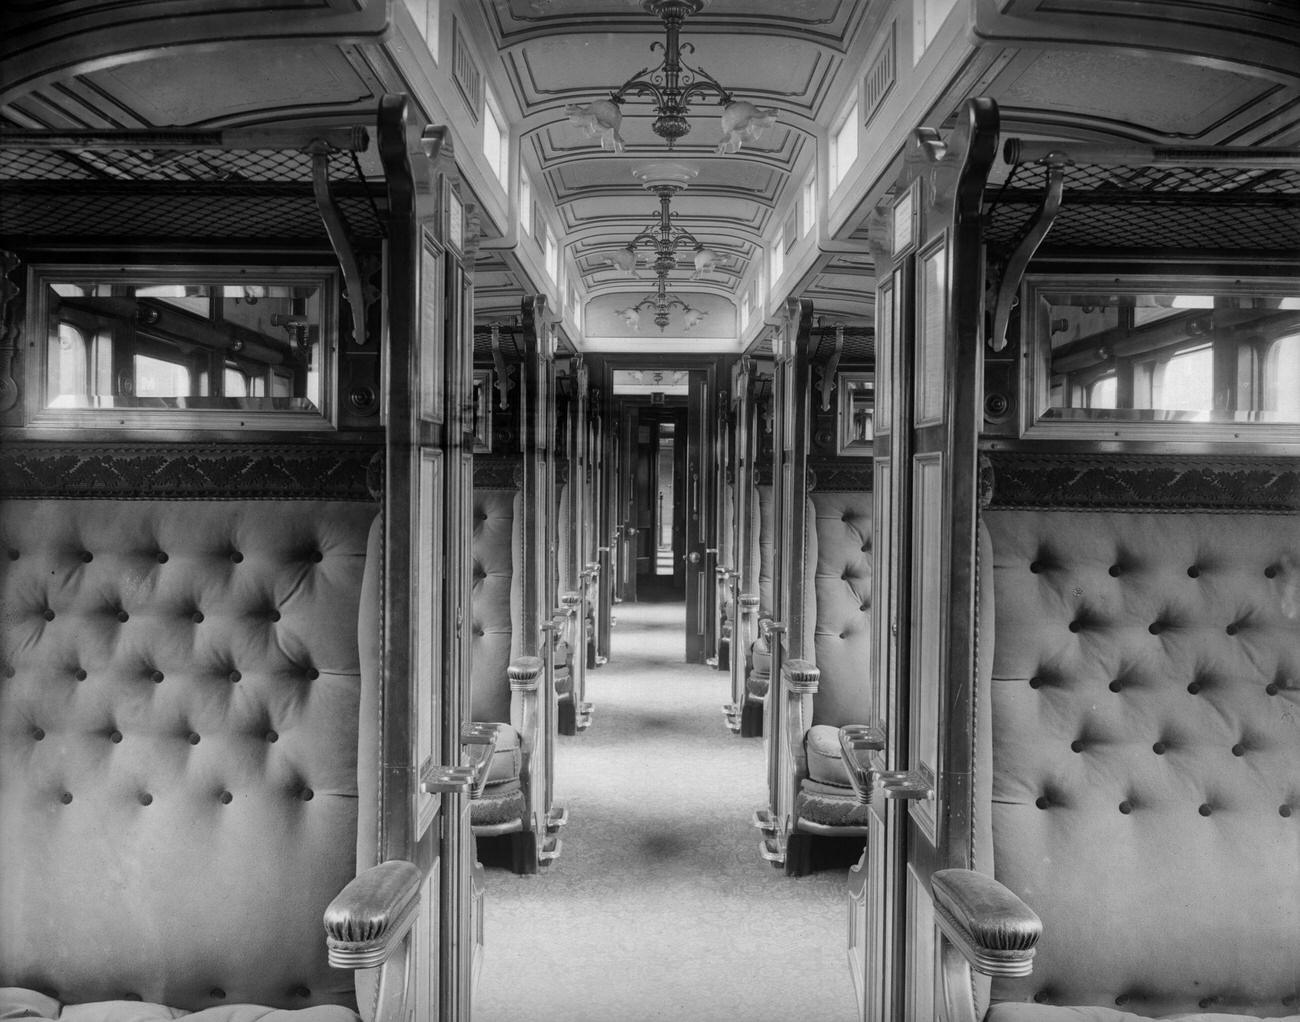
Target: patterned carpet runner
{"type": "Point", "coordinates": [659, 906]}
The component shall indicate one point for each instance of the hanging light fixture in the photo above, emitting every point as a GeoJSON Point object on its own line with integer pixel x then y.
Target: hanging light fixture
{"type": "Point", "coordinates": [663, 238]}
{"type": "Point", "coordinates": [673, 85]}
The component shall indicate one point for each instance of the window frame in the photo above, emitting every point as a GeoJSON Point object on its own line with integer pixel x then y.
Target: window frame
{"type": "Point", "coordinates": [40, 415]}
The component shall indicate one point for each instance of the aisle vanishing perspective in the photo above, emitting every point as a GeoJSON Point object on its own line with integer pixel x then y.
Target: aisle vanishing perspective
{"type": "Point", "coordinates": [659, 906]}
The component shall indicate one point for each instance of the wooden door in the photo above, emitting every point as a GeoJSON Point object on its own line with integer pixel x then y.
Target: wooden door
{"type": "Point", "coordinates": [743, 598]}
{"type": "Point", "coordinates": [928, 412]}
{"type": "Point", "coordinates": [424, 809]}
{"type": "Point", "coordinates": [699, 507]}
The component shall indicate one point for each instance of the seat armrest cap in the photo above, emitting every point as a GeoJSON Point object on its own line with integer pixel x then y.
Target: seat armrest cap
{"type": "Point", "coordinates": [371, 914]}
{"type": "Point", "coordinates": [994, 917]}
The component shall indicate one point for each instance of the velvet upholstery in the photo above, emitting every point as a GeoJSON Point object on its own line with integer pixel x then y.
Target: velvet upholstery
{"type": "Point", "coordinates": [1043, 1013]}
{"type": "Point", "coordinates": [30, 1004]}
{"type": "Point", "coordinates": [842, 636]}
{"type": "Point", "coordinates": [761, 521]}
{"type": "Point", "coordinates": [1145, 764]}
{"type": "Point", "coordinates": [491, 599]}
{"type": "Point", "coordinates": [178, 748]}
{"type": "Point", "coordinates": [825, 760]}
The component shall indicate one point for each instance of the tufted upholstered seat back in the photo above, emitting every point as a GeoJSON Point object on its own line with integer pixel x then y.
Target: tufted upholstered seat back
{"type": "Point", "coordinates": [494, 601]}
{"type": "Point", "coordinates": [842, 637]}
{"type": "Point", "coordinates": [764, 547]}
{"type": "Point", "coordinates": [178, 747]}
{"type": "Point", "coordinates": [1145, 783]}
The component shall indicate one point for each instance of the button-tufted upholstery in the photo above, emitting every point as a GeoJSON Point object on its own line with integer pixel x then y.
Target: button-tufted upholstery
{"type": "Point", "coordinates": [178, 751]}
{"type": "Point", "coordinates": [495, 605]}
{"type": "Point", "coordinates": [841, 616]}
{"type": "Point", "coordinates": [1145, 701]}
{"type": "Point", "coordinates": [842, 636]}
{"type": "Point", "coordinates": [494, 600]}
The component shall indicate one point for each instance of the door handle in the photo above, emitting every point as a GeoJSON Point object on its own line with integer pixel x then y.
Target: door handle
{"type": "Point", "coordinates": [693, 557]}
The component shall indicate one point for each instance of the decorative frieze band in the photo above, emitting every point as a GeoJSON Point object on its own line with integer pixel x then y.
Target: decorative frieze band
{"type": "Point", "coordinates": [139, 471]}
{"type": "Point", "coordinates": [1140, 481]}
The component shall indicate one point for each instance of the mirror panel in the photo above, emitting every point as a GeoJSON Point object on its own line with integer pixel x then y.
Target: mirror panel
{"type": "Point", "coordinates": [187, 347]}
{"type": "Point", "coordinates": [1182, 357]}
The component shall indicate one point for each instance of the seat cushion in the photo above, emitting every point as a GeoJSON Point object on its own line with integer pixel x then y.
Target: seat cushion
{"type": "Point", "coordinates": [508, 759]}
{"type": "Point", "coordinates": [825, 763]}
{"type": "Point", "coordinates": [19, 1003]}
{"type": "Point", "coordinates": [1007, 1012]}
{"type": "Point", "coordinates": [500, 804]}
{"type": "Point", "coordinates": [828, 805]}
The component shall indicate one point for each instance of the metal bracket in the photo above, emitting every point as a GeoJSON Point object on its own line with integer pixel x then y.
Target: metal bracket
{"type": "Point", "coordinates": [907, 784]}
{"type": "Point", "coordinates": [1015, 268]}
{"type": "Point", "coordinates": [854, 740]}
{"type": "Point", "coordinates": [354, 288]}
{"type": "Point", "coordinates": [828, 371]}
{"type": "Point", "coordinates": [499, 360]}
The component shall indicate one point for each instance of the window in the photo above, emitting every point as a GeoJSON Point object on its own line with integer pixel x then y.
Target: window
{"type": "Point", "coordinates": [184, 347]}
{"type": "Point", "coordinates": [495, 143]}
{"type": "Point", "coordinates": [744, 311]}
{"type": "Point", "coordinates": [426, 14]}
{"type": "Point", "coordinates": [927, 17]}
{"type": "Point", "coordinates": [525, 200]}
{"type": "Point", "coordinates": [1198, 357]}
{"type": "Point", "coordinates": [809, 202]}
{"type": "Point", "coordinates": [552, 255]}
{"type": "Point", "coordinates": [776, 258]}
{"type": "Point", "coordinates": [844, 146]}
{"type": "Point", "coordinates": [1282, 376]}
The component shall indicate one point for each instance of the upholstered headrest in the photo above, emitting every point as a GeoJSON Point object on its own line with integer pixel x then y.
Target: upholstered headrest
{"type": "Point", "coordinates": [842, 640]}
{"type": "Point", "coordinates": [764, 545]}
{"type": "Point", "coordinates": [1146, 763]}
{"type": "Point", "coordinates": [493, 553]}
{"type": "Point", "coordinates": [178, 747]}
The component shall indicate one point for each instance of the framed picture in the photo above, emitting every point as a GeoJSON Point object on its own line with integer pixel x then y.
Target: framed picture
{"type": "Point", "coordinates": [857, 411]}
{"type": "Point", "coordinates": [482, 423]}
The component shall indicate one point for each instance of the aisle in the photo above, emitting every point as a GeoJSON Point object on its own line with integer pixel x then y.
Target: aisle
{"type": "Point", "coordinates": [659, 906]}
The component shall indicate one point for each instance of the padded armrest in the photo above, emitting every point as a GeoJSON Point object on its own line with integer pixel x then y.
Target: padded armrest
{"type": "Point", "coordinates": [525, 673]}
{"type": "Point", "coordinates": [371, 915]}
{"type": "Point", "coordinates": [801, 676]}
{"type": "Point", "coordinates": [993, 929]}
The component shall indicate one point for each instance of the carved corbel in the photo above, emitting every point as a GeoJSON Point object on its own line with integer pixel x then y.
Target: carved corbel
{"type": "Point", "coordinates": [880, 235]}
{"type": "Point", "coordinates": [473, 236]}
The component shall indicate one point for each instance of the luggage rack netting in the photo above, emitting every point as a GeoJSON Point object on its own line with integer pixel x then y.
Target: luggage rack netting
{"type": "Point", "coordinates": [213, 194]}
{"type": "Point", "coordinates": [1223, 208]}
{"type": "Point", "coordinates": [198, 166]}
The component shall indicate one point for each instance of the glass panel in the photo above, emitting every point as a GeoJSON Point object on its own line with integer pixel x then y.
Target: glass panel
{"type": "Point", "coordinates": [928, 516]}
{"type": "Point", "coordinates": [856, 411]}
{"type": "Point", "coordinates": [431, 346]}
{"type": "Point", "coordinates": [1199, 351]}
{"type": "Point", "coordinates": [183, 340]}
{"type": "Point", "coordinates": [931, 341]}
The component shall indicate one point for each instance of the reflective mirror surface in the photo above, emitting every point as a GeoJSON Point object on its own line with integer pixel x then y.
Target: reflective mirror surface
{"type": "Point", "coordinates": [1204, 351]}
{"type": "Point", "coordinates": [205, 342]}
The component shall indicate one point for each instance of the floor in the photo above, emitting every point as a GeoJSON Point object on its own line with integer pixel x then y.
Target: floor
{"type": "Point", "coordinates": [659, 906]}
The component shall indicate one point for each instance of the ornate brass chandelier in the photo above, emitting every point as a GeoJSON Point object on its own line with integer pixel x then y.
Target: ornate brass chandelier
{"type": "Point", "coordinates": [673, 85]}
{"type": "Point", "coordinates": [664, 238]}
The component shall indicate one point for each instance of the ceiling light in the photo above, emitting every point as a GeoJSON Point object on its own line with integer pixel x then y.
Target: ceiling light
{"type": "Point", "coordinates": [673, 85]}
{"type": "Point", "coordinates": [663, 238]}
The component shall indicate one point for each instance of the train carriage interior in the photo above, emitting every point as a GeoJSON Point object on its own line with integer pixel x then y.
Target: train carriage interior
{"type": "Point", "coordinates": [643, 509]}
